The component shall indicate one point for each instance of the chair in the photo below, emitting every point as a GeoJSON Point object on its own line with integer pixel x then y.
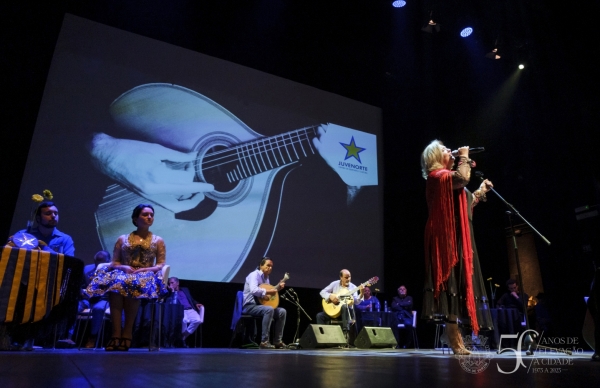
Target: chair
{"type": "Point", "coordinates": [86, 315]}
{"type": "Point", "coordinates": [157, 302]}
{"type": "Point", "coordinates": [440, 327]}
{"type": "Point", "coordinates": [368, 318]}
{"type": "Point", "coordinates": [239, 323]}
{"type": "Point", "coordinates": [199, 328]}
{"type": "Point", "coordinates": [414, 331]}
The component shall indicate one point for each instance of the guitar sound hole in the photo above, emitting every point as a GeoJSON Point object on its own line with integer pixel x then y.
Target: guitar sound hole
{"type": "Point", "coordinates": [217, 174]}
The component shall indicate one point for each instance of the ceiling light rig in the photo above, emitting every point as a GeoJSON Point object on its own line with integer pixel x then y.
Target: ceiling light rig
{"type": "Point", "coordinates": [431, 25]}
{"type": "Point", "coordinates": [398, 3]}
{"type": "Point", "coordinates": [495, 53]}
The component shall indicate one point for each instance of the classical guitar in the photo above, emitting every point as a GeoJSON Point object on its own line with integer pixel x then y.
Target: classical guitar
{"type": "Point", "coordinates": [273, 300]}
{"type": "Point", "coordinates": [334, 310]}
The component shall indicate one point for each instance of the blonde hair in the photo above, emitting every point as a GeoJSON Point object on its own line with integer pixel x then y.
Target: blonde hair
{"type": "Point", "coordinates": [432, 158]}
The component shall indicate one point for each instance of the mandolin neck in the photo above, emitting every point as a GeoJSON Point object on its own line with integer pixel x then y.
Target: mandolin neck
{"type": "Point", "coordinates": [252, 158]}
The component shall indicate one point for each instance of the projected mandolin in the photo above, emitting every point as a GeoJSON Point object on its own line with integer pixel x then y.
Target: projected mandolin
{"type": "Point", "coordinates": [210, 234]}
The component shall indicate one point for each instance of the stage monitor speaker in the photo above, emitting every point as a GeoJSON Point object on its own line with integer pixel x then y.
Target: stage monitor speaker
{"type": "Point", "coordinates": [322, 336]}
{"type": "Point", "coordinates": [375, 337]}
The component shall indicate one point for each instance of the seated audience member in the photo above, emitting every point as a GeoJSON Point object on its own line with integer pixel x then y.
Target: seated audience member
{"type": "Point", "coordinates": [402, 306]}
{"type": "Point", "coordinates": [193, 312]}
{"type": "Point", "coordinates": [370, 302]}
{"type": "Point", "coordinates": [512, 298]}
{"type": "Point", "coordinates": [97, 304]}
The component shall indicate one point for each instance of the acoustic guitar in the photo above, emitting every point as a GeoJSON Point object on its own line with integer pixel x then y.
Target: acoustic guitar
{"type": "Point", "coordinates": [334, 310]}
{"type": "Point", "coordinates": [273, 301]}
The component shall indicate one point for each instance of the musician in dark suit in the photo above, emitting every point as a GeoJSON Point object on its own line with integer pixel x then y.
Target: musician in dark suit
{"type": "Point", "coordinates": [254, 293]}
{"type": "Point", "coordinates": [331, 294]}
{"type": "Point", "coordinates": [402, 306]}
{"type": "Point", "coordinates": [512, 298]}
{"type": "Point", "coordinates": [97, 305]}
{"type": "Point", "coordinates": [193, 312]}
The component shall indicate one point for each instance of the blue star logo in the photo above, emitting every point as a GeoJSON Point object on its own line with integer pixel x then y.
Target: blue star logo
{"type": "Point", "coordinates": [352, 150]}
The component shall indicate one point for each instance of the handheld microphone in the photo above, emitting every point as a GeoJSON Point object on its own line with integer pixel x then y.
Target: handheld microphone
{"type": "Point", "coordinates": [472, 150]}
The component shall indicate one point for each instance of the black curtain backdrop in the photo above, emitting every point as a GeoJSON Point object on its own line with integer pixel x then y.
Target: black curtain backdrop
{"type": "Point", "coordinates": [538, 126]}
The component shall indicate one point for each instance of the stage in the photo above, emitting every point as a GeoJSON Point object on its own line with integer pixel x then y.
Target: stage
{"type": "Point", "coordinates": [333, 367]}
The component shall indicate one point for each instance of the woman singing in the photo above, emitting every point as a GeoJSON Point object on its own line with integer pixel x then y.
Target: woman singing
{"type": "Point", "coordinates": [134, 274]}
{"type": "Point", "coordinates": [454, 288]}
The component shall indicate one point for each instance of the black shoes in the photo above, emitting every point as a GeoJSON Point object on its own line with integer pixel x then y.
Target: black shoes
{"type": "Point", "coordinates": [266, 345]}
{"type": "Point", "coordinates": [118, 345]}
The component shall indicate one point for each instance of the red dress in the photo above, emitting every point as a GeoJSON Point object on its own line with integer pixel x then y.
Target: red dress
{"type": "Point", "coordinates": [454, 285]}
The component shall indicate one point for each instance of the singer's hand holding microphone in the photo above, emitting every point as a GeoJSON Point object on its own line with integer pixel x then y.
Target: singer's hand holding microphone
{"type": "Point", "coordinates": [464, 151]}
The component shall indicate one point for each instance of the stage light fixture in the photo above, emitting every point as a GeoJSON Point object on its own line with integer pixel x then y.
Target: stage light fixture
{"type": "Point", "coordinates": [399, 3]}
{"type": "Point", "coordinates": [521, 67]}
{"type": "Point", "coordinates": [467, 31]}
{"type": "Point", "coordinates": [431, 25]}
{"type": "Point", "coordinates": [495, 53]}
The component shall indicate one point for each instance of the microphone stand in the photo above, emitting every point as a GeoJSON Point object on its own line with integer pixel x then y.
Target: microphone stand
{"type": "Point", "coordinates": [529, 340]}
{"type": "Point", "coordinates": [492, 293]}
{"type": "Point", "coordinates": [295, 300]}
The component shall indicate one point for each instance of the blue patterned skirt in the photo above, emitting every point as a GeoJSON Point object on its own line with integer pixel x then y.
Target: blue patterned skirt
{"type": "Point", "coordinates": [143, 285]}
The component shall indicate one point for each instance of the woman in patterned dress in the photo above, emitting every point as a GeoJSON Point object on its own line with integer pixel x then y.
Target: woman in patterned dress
{"type": "Point", "coordinates": [134, 274]}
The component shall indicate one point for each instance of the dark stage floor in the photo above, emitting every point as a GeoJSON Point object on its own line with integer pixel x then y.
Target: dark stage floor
{"type": "Point", "coordinates": [176, 368]}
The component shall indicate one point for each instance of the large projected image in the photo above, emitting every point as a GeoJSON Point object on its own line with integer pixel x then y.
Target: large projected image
{"type": "Point", "coordinates": [238, 164]}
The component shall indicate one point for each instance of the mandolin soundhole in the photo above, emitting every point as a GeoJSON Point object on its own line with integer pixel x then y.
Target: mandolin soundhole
{"type": "Point", "coordinates": [217, 174]}
{"type": "Point", "coordinates": [217, 157]}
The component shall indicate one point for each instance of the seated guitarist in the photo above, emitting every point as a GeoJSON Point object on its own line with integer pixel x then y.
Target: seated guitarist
{"type": "Point", "coordinates": [252, 293]}
{"type": "Point", "coordinates": [331, 293]}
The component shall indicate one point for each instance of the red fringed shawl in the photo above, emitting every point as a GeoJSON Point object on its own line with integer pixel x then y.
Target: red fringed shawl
{"type": "Point", "coordinates": [440, 237]}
